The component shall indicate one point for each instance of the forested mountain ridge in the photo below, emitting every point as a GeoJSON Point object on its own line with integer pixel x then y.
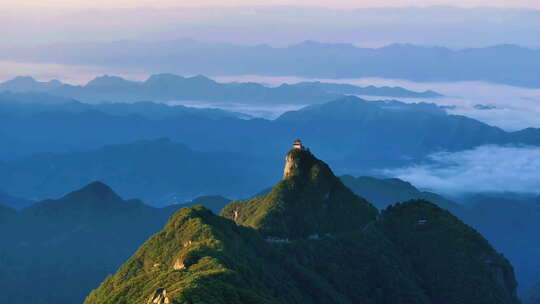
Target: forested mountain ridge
{"type": "Point", "coordinates": [256, 255]}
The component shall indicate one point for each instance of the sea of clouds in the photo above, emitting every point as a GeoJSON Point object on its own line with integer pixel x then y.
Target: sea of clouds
{"type": "Point", "coordinates": [507, 107]}
{"type": "Point", "coordinates": [490, 168]}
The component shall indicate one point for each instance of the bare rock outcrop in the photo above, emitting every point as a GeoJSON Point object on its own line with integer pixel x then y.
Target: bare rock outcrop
{"type": "Point", "coordinates": [159, 297]}
{"type": "Point", "coordinates": [178, 265]}
{"type": "Point", "coordinates": [290, 165]}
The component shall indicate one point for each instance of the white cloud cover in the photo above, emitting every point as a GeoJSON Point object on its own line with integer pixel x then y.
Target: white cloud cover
{"type": "Point", "coordinates": [483, 169]}
{"type": "Point", "coordinates": [512, 108]}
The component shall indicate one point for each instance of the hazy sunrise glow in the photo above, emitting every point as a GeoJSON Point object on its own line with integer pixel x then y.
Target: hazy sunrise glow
{"type": "Point", "coordinates": [348, 4]}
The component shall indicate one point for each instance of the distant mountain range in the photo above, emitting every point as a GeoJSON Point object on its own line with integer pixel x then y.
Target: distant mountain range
{"type": "Point", "coordinates": [167, 87]}
{"type": "Point", "coordinates": [375, 135]}
{"type": "Point", "coordinates": [25, 104]}
{"type": "Point", "coordinates": [507, 64]}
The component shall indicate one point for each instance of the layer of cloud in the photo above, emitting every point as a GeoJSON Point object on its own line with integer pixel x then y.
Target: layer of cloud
{"type": "Point", "coordinates": [483, 169]}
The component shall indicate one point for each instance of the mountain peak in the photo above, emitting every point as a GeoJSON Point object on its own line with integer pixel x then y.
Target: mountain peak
{"type": "Point", "coordinates": [106, 81]}
{"type": "Point", "coordinates": [23, 79]}
{"type": "Point", "coordinates": [28, 83]}
{"type": "Point", "coordinates": [310, 200]}
{"type": "Point", "coordinates": [97, 189]}
{"type": "Point", "coordinates": [94, 194]}
{"type": "Point", "coordinates": [92, 199]}
{"type": "Point", "coordinates": [201, 79]}
{"type": "Point", "coordinates": [164, 77]}
{"type": "Point", "coordinates": [55, 82]}
{"type": "Point", "coordinates": [310, 44]}
{"type": "Point", "coordinates": [299, 161]}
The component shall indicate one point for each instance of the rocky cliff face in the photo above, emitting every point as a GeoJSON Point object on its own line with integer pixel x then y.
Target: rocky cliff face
{"type": "Point", "coordinates": [290, 166]}
{"type": "Point", "coordinates": [295, 160]}
{"type": "Point", "coordinates": [159, 297]}
{"type": "Point", "coordinates": [300, 162]}
{"type": "Point", "coordinates": [310, 240]}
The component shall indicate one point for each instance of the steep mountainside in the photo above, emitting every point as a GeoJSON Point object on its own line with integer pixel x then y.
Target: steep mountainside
{"type": "Point", "coordinates": [511, 225]}
{"type": "Point", "coordinates": [282, 248]}
{"type": "Point", "coordinates": [310, 200]}
{"type": "Point", "coordinates": [439, 243]}
{"type": "Point", "coordinates": [383, 192]}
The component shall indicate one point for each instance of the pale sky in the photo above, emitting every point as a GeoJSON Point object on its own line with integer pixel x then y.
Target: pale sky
{"type": "Point", "coordinates": [347, 4]}
{"type": "Point", "coordinates": [274, 22]}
